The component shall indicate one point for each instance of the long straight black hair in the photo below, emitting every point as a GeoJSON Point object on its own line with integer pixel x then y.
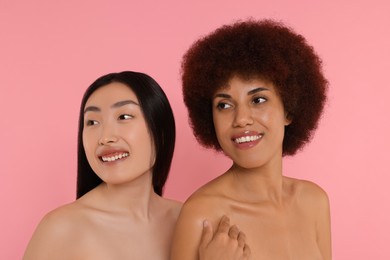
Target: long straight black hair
{"type": "Point", "coordinates": [159, 119]}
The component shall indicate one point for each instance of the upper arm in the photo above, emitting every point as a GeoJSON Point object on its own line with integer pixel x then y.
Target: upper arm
{"type": "Point", "coordinates": [323, 228]}
{"type": "Point", "coordinates": [188, 232]}
{"type": "Point", "coordinates": [319, 205]}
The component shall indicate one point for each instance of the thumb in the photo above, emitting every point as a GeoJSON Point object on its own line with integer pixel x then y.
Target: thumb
{"type": "Point", "coordinates": [207, 234]}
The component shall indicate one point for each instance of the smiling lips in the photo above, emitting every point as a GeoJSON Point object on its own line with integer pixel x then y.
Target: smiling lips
{"type": "Point", "coordinates": [113, 157]}
{"type": "Point", "coordinates": [247, 139]}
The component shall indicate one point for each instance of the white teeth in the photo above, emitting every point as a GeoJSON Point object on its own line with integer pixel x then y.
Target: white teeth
{"type": "Point", "coordinates": [246, 139]}
{"type": "Point", "coordinates": [114, 158]}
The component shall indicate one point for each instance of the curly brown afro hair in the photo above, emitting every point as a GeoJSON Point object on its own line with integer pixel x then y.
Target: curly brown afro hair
{"type": "Point", "coordinates": [262, 49]}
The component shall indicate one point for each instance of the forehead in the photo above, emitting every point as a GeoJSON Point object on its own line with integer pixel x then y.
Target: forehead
{"type": "Point", "coordinates": [246, 84]}
{"type": "Point", "coordinates": [111, 93]}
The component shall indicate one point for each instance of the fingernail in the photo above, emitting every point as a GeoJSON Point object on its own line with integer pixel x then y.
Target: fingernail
{"type": "Point", "coordinates": [205, 223]}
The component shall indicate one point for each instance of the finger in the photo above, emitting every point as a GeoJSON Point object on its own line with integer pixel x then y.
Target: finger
{"type": "Point", "coordinates": [247, 251]}
{"type": "Point", "coordinates": [233, 232]}
{"type": "Point", "coordinates": [224, 225]}
{"type": "Point", "coordinates": [241, 239]}
{"type": "Point", "coordinates": [207, 234]}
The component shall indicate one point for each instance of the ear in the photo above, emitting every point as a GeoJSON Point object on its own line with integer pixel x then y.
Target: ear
{"type": "Point", "coordinates": [288, 118]}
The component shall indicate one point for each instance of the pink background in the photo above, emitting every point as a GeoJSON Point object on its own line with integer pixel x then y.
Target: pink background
{"type": "Point", "coordinates": [50, 51]}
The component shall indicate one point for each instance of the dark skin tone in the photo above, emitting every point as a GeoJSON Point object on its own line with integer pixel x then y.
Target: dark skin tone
{"type": "Point", "coordinates": [282, 217]}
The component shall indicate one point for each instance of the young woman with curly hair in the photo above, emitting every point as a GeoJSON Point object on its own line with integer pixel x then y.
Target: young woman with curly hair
{"type": "Point", "coordinates": [255, 91]}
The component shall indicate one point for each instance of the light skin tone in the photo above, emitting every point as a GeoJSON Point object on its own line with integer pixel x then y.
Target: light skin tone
{"type": "Point", "coordinates": [282, 217]}
{"type": "Point", "coordinates": [122, 218]}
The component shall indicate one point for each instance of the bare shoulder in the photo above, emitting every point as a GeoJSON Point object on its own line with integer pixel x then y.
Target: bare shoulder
{"type": "Point", "coordinates": [173, 206]}
{"type": "Point", "coordinates": [203, 204]}
{"type": "Point", "coordinates": [315, 201]}
{"type": "Point", "coordinates": [314, 190]}
{"type": "Point", "coordinates": [169, 209]}
{"type": "Point", "coordinates": [60, 224]}
{"type": "Point", "coordinates": [59, 220]}
{"type": "Point", "coordinates": [206, 202]}
{"type": "Point", "coordinates": [309, 193]}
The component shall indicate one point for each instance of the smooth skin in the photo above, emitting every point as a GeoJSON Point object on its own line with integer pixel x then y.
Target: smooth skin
{"type": "Point", "coordinates": [122, 218]}
{"type": "Point", "coordinates": [282, 217]}
{"type": "Point", "coordinates": [226, 243]}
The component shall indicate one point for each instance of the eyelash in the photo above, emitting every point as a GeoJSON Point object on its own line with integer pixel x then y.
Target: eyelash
{"type": "Point", "coordinates": [121, 117]}
{"type": "Point", "coordinates": [125, 117]}
{"type": "Point", "coordinates": [91, 122]}
{"type": "Point", "coordinates": [256, 100]}
{"type": "Point", "coordinates": [221, 105]}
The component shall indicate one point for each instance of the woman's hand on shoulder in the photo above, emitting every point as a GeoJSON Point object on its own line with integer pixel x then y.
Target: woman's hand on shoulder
{"type": "Point", "coordinates": [227, 243]}
{"type": "Point", "coordinates": [195, 239]}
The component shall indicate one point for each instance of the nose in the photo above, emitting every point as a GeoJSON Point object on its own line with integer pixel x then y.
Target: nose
{"type": "Point", "coordinates": [243, 116]}
{"type": "Point", "coordinates": [108, 136]}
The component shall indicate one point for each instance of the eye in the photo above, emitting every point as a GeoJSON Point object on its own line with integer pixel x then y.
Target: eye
{"type": "Point", "coordinates": [91, 122]}
{"type": "Point", "coordinates": [125, 117]}
{"type": "Point", "coordinates": [223, 106]}
{"type": "Point", "coordinates": [259, 100]}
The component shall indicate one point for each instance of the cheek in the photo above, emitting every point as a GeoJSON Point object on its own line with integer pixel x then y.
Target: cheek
{"type": "Point", "coordinates": [146, 149]}
{"type": "Point", "coordinates": [88, 144]}
{"type": "Point", "coordinates": [221, 122]}
{"type": "Point", "coordinates": [139, 138]}
{"type": "Point", "coordinates": [219, 128]}
{"type": "Point", "coordinates": [276, 123]}
{"type": "Point", "coordinates": [85, 141]}
{"type": "Point", "coordinates": [271, 116]}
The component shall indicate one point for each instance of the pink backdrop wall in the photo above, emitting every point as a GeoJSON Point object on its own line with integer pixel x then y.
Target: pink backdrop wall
{"type": "Point", "coordinates": [50, 51]}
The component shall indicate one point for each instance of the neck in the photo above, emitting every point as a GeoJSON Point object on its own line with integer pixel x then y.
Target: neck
{"type": "Point", "coordinates": [135, 198]}
{"type": "Point", "coordinates": [264, 183]}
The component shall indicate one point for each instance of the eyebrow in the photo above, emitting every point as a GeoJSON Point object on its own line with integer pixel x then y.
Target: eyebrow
{"type": "Point", "coordinates": [251, 92]}
{"type": "Point", "coordinates": [115, 105]}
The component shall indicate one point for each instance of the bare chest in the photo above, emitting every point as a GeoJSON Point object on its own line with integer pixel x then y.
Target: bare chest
{"type": "Point", "coordinates": [273, 233]}
{"type": "Point", "coordinates": [122, 240]}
